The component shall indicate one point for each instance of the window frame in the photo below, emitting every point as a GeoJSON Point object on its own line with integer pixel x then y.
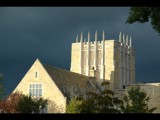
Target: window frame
{"type": "Point", "coordinates": [36, 74]}
{"type": "Point", "coordinates": [32, 89]}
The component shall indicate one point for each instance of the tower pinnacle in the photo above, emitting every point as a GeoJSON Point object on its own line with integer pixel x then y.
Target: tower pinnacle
{"type": "Point", "coordinates": [130, 41]}
{"type": "Point", "coordinates": [81, 39]}
{"type": "Point", "coordinates": [96, 36]}
{"type": "Point", "coordinates": [103, 36]}
{"type": "Point", "coordinates": [77, 39]}
{"type": "Point", "coordinates": [88, 36]}
{"type": "Point", "coordinates": [120, 37]}
{"type": "Point", "coordinates": [127, 40]}
{"type": "Point", "coordinates": [123, 39]}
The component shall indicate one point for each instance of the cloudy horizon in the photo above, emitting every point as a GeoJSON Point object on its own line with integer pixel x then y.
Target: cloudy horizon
{"type": "Point", "coordinates": [28, 33]}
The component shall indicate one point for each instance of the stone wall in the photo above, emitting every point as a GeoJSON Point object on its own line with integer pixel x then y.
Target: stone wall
{"type": "Point", "coordinates": [49, 89]}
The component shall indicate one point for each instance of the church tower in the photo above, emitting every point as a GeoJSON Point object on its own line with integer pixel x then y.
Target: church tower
{"type": "Point", "coordinates": [107, 60]}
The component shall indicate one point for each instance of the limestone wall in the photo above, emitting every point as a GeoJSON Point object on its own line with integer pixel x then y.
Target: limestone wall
{"type": "Point", "coordinates": [118, 58]}
{"type": "Point", "coordinates": [49, 89]}
{"type": "Point", "coordinates": [75, 58]}
{"type": "Point", "coordinates": [109, 62]}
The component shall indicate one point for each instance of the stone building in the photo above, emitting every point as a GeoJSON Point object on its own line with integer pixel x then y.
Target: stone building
{"type": "Point", "coordinates": [56, 85]}
{"type": "Point", "coordinates": [92, 62]}
{"type": "Point", "coordinates": [107, 60]}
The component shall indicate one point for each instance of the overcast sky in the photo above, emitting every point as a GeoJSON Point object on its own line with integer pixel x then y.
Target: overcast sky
{"type": "Point", "coordinates": [27, 33]}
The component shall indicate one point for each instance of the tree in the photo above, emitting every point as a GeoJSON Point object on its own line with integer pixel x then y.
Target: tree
{"type": "Point", "coordinates": [9, 105]}
{"type": "Point", "coordinates": [145, 14]}
{"type": "Point", "coordinates": [54, 107]}
{"type": "Point", "coordinates": [136, 102]}
{"type": "Point", "coordinates": [27, 104]}
{"type": "Point", "coordinates": [20, 103]}
{"type": "Point", "coordinates": [73, 106]}
{"type": "Point", "coordinates": [93, 102]}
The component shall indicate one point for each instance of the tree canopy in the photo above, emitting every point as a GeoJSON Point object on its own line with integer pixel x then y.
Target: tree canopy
{"type": "Point", "coordinates": [20, 103]}
{"type": "Point", "coordinates": [106, 101]}
{"type": "Point", "coordinates": [9, 104]}
{"type": "Point", "coordinates": [103, 101]}
{"type": "Point", "coordinates": [145, 14]}
{"type": "Point", "coordinates": [136, 102]}
{"type": "Point", "coordinates": [27, 104]}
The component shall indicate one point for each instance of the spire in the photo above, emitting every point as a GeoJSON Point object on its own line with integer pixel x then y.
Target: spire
{"type": "Point", "coordinates": [127, 40]}
{"type": "Point", "coordinates": [123, 39]}
{"type": "Point", "coordinates": [77, 39]}
{"type": "Point", "coordinates": [96, 36]}
{"type": "Point", "coordinates": [120, 37]}
{"type": "Point", "coordinates": [81, 39]}
{"type": "Point", "coordinates": [130, 42]}
{"type": "Point", "coordinates": [88, 37]}
{"type": "Point", "coordinates": [103, 36]}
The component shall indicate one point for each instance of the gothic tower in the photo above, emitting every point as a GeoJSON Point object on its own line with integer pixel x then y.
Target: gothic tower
{"type": "Point", "coordinates": [107, 60]}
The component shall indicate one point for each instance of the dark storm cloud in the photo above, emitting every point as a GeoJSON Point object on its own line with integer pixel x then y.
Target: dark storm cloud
{"type": "Point", "coordinates": [27, 33]}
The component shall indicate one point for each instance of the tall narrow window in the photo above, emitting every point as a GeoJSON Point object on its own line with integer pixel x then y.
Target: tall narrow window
{"type": "Point", "coordinates": [35, 90]}
{"type": "Point", "coordinates": [36, 75]}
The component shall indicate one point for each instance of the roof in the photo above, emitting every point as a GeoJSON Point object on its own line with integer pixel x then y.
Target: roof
{"type": "Point", "coordinates": [66, 80]}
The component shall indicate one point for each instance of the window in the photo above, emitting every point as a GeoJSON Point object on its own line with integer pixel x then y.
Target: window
{"type": "Point", "coordinates": [35, 90]}
{"type": "Point", "coordinates": [92, 68]}
{"type": "Point", "coordinates": [36, 74]}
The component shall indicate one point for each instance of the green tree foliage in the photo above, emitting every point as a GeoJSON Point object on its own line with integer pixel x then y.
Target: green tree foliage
{"type": "Point", "coordinates": [73, 106]}
{"type": "Point", "coordinates": [93, 102]}
{"type": "Point", "coordinates": [145, 14]}
{"type": "Point", "coordinates": [136, 102]}
{"type": "Point", "coordinates": [20, 103]}
{"type": "Point", "coordinates": [27, 104]}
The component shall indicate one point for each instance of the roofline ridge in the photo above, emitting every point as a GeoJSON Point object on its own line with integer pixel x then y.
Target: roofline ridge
{"type": "Point", "coordinates": [66, 70]}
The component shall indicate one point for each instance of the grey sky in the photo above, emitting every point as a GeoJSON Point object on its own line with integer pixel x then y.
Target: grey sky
{"type": "Point", "coordinates": [27, 33]}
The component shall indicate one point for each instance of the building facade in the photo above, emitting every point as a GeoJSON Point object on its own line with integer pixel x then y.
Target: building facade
{"type": "Point", "coordinates": [107, 60]}
{"type": "Point", "coordinates": [92, 62]}
{"type": "Point", "coordinates": [56, 85]}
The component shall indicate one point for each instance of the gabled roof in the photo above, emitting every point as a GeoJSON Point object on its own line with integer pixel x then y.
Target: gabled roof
{"type": "Point", "coordinates": [65, 80]}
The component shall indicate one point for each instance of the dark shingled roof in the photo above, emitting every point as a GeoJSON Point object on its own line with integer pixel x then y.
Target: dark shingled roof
{"type": "Point", "coordinates": [63, 78]}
